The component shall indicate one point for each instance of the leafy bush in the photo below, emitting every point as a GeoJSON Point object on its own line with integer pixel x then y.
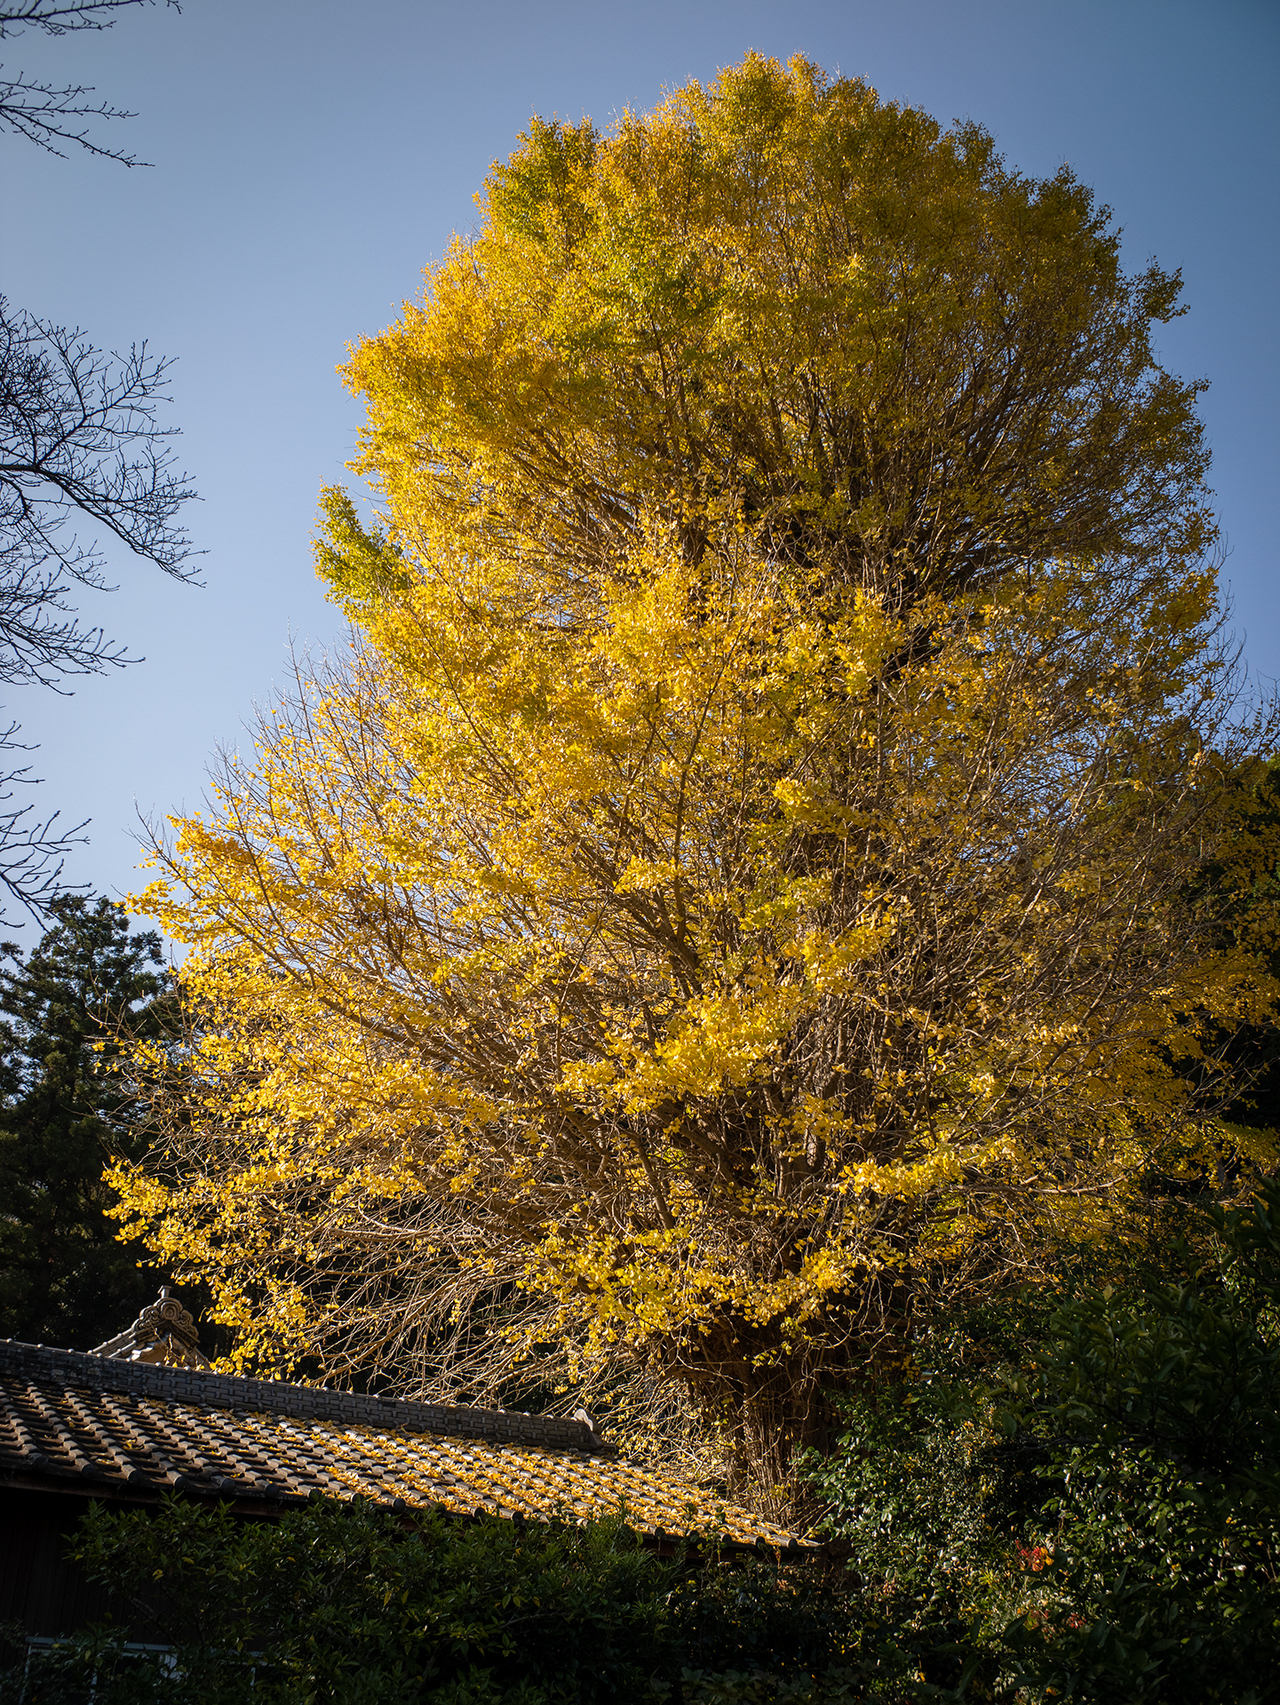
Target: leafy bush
{"type": "Point", "coordinates": [340, 1602]}
{"type": "Point", "coordinates": [1158, 1418]}
{"type": "Point", "coordinates": [1102, 1522]}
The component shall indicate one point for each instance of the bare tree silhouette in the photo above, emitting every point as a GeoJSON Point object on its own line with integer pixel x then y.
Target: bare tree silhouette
{"type": "Point", "coordinates": [79, 442]}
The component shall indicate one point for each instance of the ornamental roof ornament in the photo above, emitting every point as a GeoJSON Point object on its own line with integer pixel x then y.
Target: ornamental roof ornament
{"type": "Point", "coordinates": [164, 1332]}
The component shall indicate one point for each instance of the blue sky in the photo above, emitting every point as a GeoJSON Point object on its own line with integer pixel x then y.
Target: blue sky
{"type": "Point", "coordinates": [311, 155]}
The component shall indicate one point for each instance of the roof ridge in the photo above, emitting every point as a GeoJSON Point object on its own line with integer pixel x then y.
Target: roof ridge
{"type": "Point", "coordinates": [303, 1402]}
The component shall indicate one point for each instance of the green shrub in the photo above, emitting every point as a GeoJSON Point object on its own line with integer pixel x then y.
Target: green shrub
{"type": "Point", "coordinates": [1101, 1522]}
{"type": "Point", "coordinates": [348, 1603]}
{"type": "Point", "coordinates": [1156, 1417]}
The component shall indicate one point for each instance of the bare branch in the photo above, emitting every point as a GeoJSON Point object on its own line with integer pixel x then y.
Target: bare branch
{"type": "Point", "coordinates": [57, 18]}
{"type": "Point", "coordinates": [39, 112]}
{"type": "Point", "coordinates": [78, 437]}
{"type": "Point", "coordinates": [44, 113]}
{"type": "Point", "coordinates": [32, 849]}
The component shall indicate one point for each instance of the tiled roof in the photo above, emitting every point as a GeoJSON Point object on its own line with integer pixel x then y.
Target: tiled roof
{"type": "Point", "coordinates": [140, 1429]}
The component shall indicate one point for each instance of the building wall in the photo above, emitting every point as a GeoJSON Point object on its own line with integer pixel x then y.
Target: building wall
{"type": "Point", "coordinates": [41, 1590]}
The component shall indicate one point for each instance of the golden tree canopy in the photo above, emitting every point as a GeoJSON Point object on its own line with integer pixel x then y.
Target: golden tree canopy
{"type": "Point", "coordinates": [780, 301]}
{"type": "Point", "coordinates": [742, 881]}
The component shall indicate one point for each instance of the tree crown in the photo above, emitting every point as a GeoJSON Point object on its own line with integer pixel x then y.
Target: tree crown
{"type": "Point", "coordinates": [744, 880]}
{"type": "Point", "coordinates": [781, 304]}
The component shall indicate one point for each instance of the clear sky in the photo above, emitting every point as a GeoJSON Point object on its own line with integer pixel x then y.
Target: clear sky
{"type": "Point", "coordinates": [311, 156]}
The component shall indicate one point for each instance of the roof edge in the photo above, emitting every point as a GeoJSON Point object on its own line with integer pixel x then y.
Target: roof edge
{"type": "Point", "coordinates": [302, 1402]}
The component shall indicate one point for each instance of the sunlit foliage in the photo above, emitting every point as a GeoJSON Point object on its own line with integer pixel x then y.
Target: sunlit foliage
{"type": "Point", "coordinates": [741, 885]}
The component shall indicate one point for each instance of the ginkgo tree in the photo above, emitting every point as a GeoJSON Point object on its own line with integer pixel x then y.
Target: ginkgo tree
{"type": "Point", "coordinates": [741, 886]}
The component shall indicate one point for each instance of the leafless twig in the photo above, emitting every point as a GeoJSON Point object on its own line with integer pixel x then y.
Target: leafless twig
{"type": "Point", "coordinates": [48, 115]}
{"type": "Point", "coordinates": [78, 438]}
{"type": "Point", "coordinates": [32, 849]}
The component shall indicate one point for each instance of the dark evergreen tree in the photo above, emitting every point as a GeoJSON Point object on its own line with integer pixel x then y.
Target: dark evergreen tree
{"type": "Point", "coordinates": [64, 1277]}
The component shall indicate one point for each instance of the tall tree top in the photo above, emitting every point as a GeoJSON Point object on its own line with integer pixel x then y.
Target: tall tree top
{"type": "Point", "coordinates": [780, 303]}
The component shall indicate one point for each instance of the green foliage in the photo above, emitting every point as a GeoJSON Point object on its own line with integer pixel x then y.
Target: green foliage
{"type": "Point", "coordinates": [758, 1688]}
{"type": "Point", "coordinates": [347, 1603]}
{"type": "Point", "coordinates": [357, 564]}
{"type": "Point", "coordinates": [1158, 1416]}
{"type": "Point", "coordinates": [1103, 1522]}
{"type": "Point", "coordinates": [1247, 873]}
{"type": "Point", "coordinates": [64, 1277]}
{"type": "Point", "coordinates": [912, 1496]}
{"type": "Point", "coordinates": [97, 1667]}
